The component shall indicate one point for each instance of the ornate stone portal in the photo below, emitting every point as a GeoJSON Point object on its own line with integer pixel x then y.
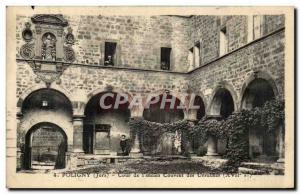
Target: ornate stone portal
{"type": "Point", "coordinates": [49, 50]}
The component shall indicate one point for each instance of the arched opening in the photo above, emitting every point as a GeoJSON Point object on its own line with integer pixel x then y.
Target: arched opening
{"type": "Point", "coordinates": [45, 147]}
{"type": "Point", "coordinates": [201, 111]}
{"type": "Point", "coordinates": [46, 100]}
{"type": "Point", "coordinates": [106, 130]}
{"type": "Point", "coordinates": [263, 145]}
{"type": "Point", "coordinates": [42, 106]}
{"type": "Point", "coordinates": [222, 104]}
{"type": "Point", "coordinates": [258, 92]}
{"type": "Point", "coordinates": [163, 111]}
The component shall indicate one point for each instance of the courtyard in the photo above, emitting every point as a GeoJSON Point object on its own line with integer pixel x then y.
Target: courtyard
{"type": "Point", "coordinates": [152, 166]}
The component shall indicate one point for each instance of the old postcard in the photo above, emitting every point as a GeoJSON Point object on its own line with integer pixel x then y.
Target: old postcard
{"type": "Point", "coordinates": [150, 97]}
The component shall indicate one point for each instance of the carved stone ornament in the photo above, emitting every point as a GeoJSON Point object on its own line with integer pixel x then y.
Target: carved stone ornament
{"type": "Point", "coordinates": [49, 47]}
{"type": "Point", "coordinates": [50, 50]}
{"type": "Point", "coordinates": [48, 78]}
{"type": "Point", "coordinates": [69, 39]}
{"type": "Point", "coordinates": [27, 33]}
{"type": "Point", "coordinates": [27, 51]}
{"type": "Point", "coordinates": [47, 72]}
{"type": "Point", "coordinates": [69, 54]}
{"type": "Point", "coordinates": [51, 19]}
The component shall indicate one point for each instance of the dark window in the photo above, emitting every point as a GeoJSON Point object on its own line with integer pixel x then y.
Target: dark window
{"type": "Point", "coordinates": [197, 54]}
{"type": "Point", "coordinates": [110, 53]}
{"type": "Point", "coordinates": [223, 41]}
{"type": "Point", "coordinates": [165, 54]}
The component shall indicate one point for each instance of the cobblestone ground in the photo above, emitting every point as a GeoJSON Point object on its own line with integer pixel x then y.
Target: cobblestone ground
{"type": "Point", "coordinates": [152, 167]}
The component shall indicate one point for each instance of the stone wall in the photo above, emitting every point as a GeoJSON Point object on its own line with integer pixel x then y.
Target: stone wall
{"type": "Point", "coordinates": [206, 29]}
{"type": "Point", "coordinates": [232, 71]}
{"type": "Point", "coordinates": [89, 79]}
{"type": "Point", "coordinates": [138, 38]}
{"type": "Point", "coordinates": [272, 23]}
{"type": "Point", "coordinates": [237, 32]}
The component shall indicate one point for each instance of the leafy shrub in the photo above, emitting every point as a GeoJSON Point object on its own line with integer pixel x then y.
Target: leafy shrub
{"type": "Point", "coordinates": [234, 129]}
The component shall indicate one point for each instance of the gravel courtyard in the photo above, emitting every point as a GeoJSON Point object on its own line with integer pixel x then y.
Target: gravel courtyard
{"type": "Point", "coordinates": [178, 166]}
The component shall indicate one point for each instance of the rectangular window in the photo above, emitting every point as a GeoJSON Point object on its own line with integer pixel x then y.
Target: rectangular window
{"type": "Point", "coordinates": [110, 55]}
{"type": "Point", "coordinates": [191, 59]}
{"type": "Point", "coordinates": [257, 26]}
{"type": "Point", "coordinates": [223, 41]}
{"type": "Point", "coordinates": [197, 55]}
{"type": "Point", "coordinates": [165, 58]}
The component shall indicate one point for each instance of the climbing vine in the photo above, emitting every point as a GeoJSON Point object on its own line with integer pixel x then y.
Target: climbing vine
{"type": "Point", "coordinates": [237, 127]}
{"type": "Point", "coordinates": [151, 132]}
{"type": "Point", "coordinates": [234, 129]}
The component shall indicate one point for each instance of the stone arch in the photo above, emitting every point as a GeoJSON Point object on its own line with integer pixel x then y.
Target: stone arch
{"type": "Point", "coordinates": [164, 144]}
{"type": "Point", "coordinates": [46, 105]}
{"type": "Point", "coordinates": [214, 107]}
{"type": "Point", "coordinates": [103, 128]}
{"type": "Point", "coordinates": [202, 96]}
{"type": "Point", "coordinates": [258, 89]}
{"type": "Point", "coordinates": [198, 100]}
{"type": "Point", "coordinates": [44, 142]}
{"type": "Point", "coordinates": [257, 81]}
{"type": "Point", "coordinates": [201, 112]}
{"type": "Point", "coordinates": [31, 90]}
{"type": "Point", "coordinates": [107, 89]}
{"type": "Point", "coordinates": [182, 99]}
{"type": "Point", "coordinates": [29, 120]}
{"type": "Point", "coordinates": [179, 96]}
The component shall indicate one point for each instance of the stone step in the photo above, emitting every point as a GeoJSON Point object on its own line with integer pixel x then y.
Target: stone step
{"type": "Point", "coordinates": [270, 168]}
{"type": "Point", "coordinates": [256, 165]}
{"type": "Point", "coordinates": [244, 170]}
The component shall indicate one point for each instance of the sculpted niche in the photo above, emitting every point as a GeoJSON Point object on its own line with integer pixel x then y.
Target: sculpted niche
{"type": "Point", "coordinates": [48, 47]}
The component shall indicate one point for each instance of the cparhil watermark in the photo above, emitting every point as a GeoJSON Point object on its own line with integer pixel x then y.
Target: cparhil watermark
{"type": "Point", "coordinates": [110, 100]}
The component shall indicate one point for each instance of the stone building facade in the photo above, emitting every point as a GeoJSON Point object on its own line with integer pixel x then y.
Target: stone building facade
{"type": "Point", "coordinates": [65, 63]}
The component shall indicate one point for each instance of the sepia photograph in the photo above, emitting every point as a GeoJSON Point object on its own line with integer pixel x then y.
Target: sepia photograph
{"type": "Point", "coordinates": [150, 97]}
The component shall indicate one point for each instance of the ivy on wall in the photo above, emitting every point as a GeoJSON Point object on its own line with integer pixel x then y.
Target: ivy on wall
{"type": "Point", "coordinates": [234, 129]}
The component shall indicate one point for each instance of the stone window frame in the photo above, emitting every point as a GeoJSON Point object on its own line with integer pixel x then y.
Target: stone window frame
{"type": "Point", "coordinates": [251, 27]}
{"type": "Point", "coordinates": [226, 44]}
{"type": "Point", "coordinates": [200, 48]}
{"type": "Point", "coordinates": [118, 52]}
{"type": "Point", "coordinates": [171, 56]}
{"type": "Point", "coordinates": [261, 28]}
{"type": "Point", "coordinates": [191, 51]}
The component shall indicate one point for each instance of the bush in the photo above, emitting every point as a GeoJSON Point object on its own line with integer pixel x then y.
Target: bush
{"type": "Point", "coordinates": [234, 129]}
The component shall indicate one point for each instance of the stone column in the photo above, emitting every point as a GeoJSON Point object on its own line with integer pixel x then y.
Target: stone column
{"type": "Point", "coordinates": [281, 144]}
{"type": "Point", "coordinates": [135, 150]}
{"type": "Point", "coordinates": [191, 117]}
{"type": "Point", "coordinates": [20, 154]}
{"type": "Point", "coordinates": [212, 145]}
{"type": "Point", "coordinates": [212, 142]}
{"type": "Point", "coordinates": [77, 133]}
